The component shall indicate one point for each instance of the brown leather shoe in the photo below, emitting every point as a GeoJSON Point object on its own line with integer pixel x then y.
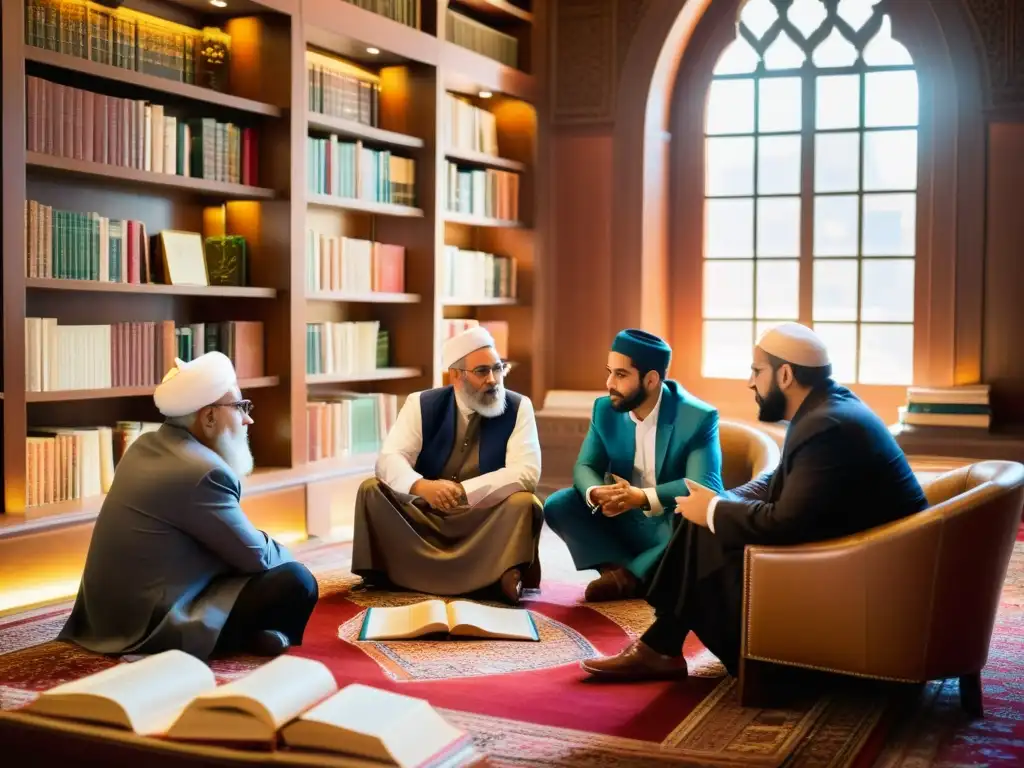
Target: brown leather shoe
{"type": "Point", "coordinates": [512, 585]}
{"type": "Point", "coordinates": [637, 662]}
{"type": "Point", "coordinates": [614, 584]}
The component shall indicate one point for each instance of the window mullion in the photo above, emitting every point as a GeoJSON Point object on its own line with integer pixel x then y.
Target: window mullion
{"type": "Point", "coordinates": [807, 200]}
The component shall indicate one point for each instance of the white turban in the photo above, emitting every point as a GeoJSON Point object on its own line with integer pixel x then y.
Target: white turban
{"type": "Point", "coordinates": [462, 344]}
{"type": "Point", "coordinates": [796, 344]}
{"type": "Point", "coordinates": [190, 386]}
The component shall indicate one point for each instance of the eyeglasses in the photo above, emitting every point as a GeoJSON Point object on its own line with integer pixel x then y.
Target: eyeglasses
{"type": "Point", "coordinates": [245, 406]}
{"type": "Point", "coordinates": [481, 371]}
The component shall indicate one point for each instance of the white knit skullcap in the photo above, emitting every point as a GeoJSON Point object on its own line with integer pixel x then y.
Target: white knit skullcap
{"type": "Point", "coordinates": [190, 386]}
{"type": "Point", "coordinates": [462, 344]}
{"type": "Point", "coordinates": [796, 344]}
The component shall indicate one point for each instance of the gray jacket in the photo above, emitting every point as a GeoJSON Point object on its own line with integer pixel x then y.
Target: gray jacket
{"type": "Point", "coordinates": [170, 552]}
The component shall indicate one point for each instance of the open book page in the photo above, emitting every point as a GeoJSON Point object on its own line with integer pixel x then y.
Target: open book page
{"type": "Point", "coordinates": [145, 696]}
{"type": "Point", "coordinates": [475, 620]}
{"type": "Point", "coordinates": [270, 695]}
{"type": "Point", "coordinates": [404, 621]}
{"type": "Point", "coordinates": [369, 722]}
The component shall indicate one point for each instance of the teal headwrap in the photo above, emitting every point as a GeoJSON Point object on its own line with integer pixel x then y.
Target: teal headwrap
{"type": "Point", "coordinates": [647, 351]}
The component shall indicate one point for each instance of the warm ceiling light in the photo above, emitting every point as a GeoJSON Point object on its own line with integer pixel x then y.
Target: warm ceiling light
{"type": "Point", "coordinates": [485, 94]}
{"type": "Point", "coordinates": [373, 51]}
{"type": "Point", "coordinates": [218, 4]}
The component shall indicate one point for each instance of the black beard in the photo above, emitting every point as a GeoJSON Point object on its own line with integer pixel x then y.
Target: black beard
{"type": "Point", "coordinates": [630, 403]}
{"type": "Point", "coordinates": [772, 407]}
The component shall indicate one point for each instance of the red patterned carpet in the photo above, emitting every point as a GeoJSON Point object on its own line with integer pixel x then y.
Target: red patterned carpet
{"type": "Point", "coordinates": [528, 704]}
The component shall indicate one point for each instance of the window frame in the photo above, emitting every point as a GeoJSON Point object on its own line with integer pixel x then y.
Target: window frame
{"type": "Point", "coordinates": [934, 259]}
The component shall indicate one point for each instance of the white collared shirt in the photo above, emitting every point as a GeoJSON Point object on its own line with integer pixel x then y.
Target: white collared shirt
{"type": "Point", "coordinates": [397, 460]}
{"type": "Point", "coordinates": [645, 459]}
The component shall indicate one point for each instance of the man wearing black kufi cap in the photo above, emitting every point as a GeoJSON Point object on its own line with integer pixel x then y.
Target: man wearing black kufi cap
{"type": "Point", "coordinates": [646, 437]}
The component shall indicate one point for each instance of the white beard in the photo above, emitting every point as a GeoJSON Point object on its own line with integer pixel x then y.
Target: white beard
{"type": "Point", "coordinates": [234, 449]}
{"type": "Point", "coordinates": [486, 407]}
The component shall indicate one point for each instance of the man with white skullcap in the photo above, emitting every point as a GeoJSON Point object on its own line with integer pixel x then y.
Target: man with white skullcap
{"type": "Point", "coordinates": [841, 472]}
{"type": "Point", "coordinates": [451, 510]}
{"type": "Point", "coordinates": [173, 561]}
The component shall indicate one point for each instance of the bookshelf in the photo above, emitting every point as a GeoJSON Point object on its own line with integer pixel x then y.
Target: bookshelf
{"type": "Point", "coordinates": [336, 255]}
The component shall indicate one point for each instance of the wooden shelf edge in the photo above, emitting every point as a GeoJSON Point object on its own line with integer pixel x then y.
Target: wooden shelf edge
{"type": "Point", "coordinates": [380, 297]}
{"type": "Point", "coordinates": [62, 395]}
{"type": "Point", "coordinates": [483, 302]}
{"type": "Point", "coordinates": [84, 511]}
{"type": "Point", "coordinates": [325, 18]}
{"type": "Point", "coordinates": [472, 220]}
{"type": "Point", "coordinates": [498, 8]}
{"type": "Point", "coordinates": [379, 374]}
{"type": "Point", "coordinates": [361, 130]}
{"type": "Point", "coordinates": [149, 82]}
{"type": "Point", "coordinates": [365, 206]}
{"type": "Point", "coordinates": [468, 71]}
{"type": "Point", "coordinates": [96, 286]}
{"type": "Point", "coordinates": [122, 174]}
{"type": "Point", "coordinates": [482, 158]}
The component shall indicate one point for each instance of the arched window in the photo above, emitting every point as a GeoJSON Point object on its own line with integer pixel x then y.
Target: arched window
{"type": "Point", "coordinates": [810, 200]}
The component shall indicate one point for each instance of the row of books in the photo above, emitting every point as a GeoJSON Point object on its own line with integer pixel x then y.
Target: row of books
{"type": "Point", "coordinates": [123, 38]}
{"type": "Point", "coordinates": [68, 463]}
{"type": "Point", "coordinates": [348, 169]}
{"type": "Point", "coordinates": [290, 702]}
{"type": "Point", "coordinates": [134, 133]}
{"type": "Point", "coordinates": [965, 406]}
{"type": "Point", "coordinates": [130, 354]}
{"type": "Point", "coordinates": [467, 126]}
{"type": "Point", "coordinates": [338, 263]}
{"type": "Point", "coordinates": [482, 192]}
{"type": "Point", "coordinates": [346, 348]}
{"type": "Point", "coordinates": [338, 89]}
{"type": "Point", "coordinates": [497, 328]}
{"type": "Point", "coordinates": [403, 11]}
{"type": "Point", "coordinates": [470, 33]}
{"type": "Point", "coordinates": [349, 424]}
{"type": "Point", "coordinates": [473, 275]}
{"type": "Point", "coordinates": [73, 245]}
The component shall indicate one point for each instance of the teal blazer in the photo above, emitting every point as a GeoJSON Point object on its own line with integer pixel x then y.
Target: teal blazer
{"type": "Point", "coordinates": [686, 446]}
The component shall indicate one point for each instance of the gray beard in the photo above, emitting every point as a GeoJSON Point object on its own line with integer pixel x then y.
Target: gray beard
{"type": "Point", "coordinates": [234, 449]}
{"type": "Point", "coordinates": [488, 406]}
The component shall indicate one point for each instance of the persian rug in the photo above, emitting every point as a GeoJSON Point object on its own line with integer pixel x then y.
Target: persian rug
{"type": "Point", "coordinates": [529, 704]}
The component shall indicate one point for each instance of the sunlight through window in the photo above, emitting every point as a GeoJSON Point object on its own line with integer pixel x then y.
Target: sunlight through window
{"type": "Point", "coordinates": [822, 83]}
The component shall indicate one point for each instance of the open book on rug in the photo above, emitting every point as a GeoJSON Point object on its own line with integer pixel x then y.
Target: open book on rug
{"type": "Point", "coordinates": [145, 696]}
{"type": "Point", "coordinates": [459, 618]}
{"type": "Point", "coordinates": [174, 695]}
{"type": "Point", "coordinates": [391, 727]}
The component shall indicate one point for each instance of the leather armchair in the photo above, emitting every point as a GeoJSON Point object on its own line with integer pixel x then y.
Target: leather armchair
{"type": "Point", "coordinates": [910, 601]}
{"type": "Point", "coordinates": [746, 453]}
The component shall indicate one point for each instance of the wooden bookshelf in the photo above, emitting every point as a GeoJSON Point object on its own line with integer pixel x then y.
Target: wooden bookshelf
{"type": "Point", "coordinates": [267, 91]}
{"type": "Point", "coordinates": [113, 174]}
{"type": "Point", "coordinates": [155, 289]}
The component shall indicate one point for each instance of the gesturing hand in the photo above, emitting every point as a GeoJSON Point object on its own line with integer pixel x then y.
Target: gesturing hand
{"type": "Point", "coordinates": [443, 495]}
{"type": "Point", "coordinates": [695, 506]}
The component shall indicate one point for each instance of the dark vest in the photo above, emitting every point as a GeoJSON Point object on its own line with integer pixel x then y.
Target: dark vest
{"type": "Point", "coordinates": [438, 412]}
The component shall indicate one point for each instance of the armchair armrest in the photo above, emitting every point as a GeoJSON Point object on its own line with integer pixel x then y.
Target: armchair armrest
{"type": "Point", "coordinates": [859, 605]}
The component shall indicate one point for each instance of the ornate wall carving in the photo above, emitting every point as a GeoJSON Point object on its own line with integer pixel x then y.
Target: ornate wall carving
{"type": "Point", "coordinates": [1000, 25]}
{"type": "Point", "coordinates": [590, 39]}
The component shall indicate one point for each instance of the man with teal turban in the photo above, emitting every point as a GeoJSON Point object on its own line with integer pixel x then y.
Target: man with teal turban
{"type": "Point", "coordinates": [646, 438]}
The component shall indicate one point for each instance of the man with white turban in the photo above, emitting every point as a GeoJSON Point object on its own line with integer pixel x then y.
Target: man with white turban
{"type": "Point", "coordinates": [173, 561]}
{"type": "Point", "coordinates": [451, 510]}
{"type": "Point", "coordinates": [841, 472]}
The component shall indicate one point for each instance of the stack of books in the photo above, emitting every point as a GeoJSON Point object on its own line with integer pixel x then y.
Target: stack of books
{"type": "Point", "coordinates": [966, 407]}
